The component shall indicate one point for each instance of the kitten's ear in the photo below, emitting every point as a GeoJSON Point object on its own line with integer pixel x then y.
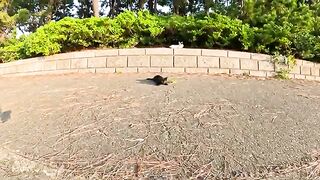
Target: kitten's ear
{"type": "Point", "coordinates": [166, 78]}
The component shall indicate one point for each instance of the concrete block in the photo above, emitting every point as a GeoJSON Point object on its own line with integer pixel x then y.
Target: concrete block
{"type": "Point", "coordinates": [159, 51]}
{"type": "Point", "coordinates": [261, 57]}
{"type": "Point", "coordinates": [291, 76]}
{"type": "Point", "coordinates": [138, 61]}
{"type": "Point", "coordinates": [185, 61]}
{"type": "Point", "coordinates": [311, 78]}
{"type": "Point", "coordinates": [258, 73]}
{"type": "Point", "coordinates": [21, 68]}
{"type": "Point", "coordinates": [25, 65]}
{"type": "Point", "coordinates": [271, 74]}
{"type": "Point", "coordinates": [214, 52]}
{"type": "Point", "coordinates": [13, 63]}
{"type": "Point", "coordinates": [266, 66]}
{"type": "Point", "coordinates": [299, 76]}
{"type": "Point", "coordinates": [61, 71]}
{"type": "Point", "coordinates": [18, 62]}
{"type": "Point", "coordinates": [239, 72]}
{"type": "Point", "coordinates": [118, 61]}
{"type": "Point", "coordinates": [98, 62]}
{"type": "Point", "coordinates": [279, 67]}
{"type": "Point", "coordinates": [299, 62]}
{"type": "Point", "coordinates": [59, 56]}
{"type": "Point", "coordinates": [3, 65]}
{"type": "Point", "coordinates": [37, 66]}
{"type": "Point", "coordinates": [63, 64]}
{"type": "Point", "coordinates": [49, 58]}
{"type": "Point", "coordinates": [22, 74]}
{"type": "Point", "coordinates": [315, 71]}
{"type": "Point", "coordinates": [133, 51]}
{"type": "Point", "coordinates": [212, 62]}
{"type": "Point", "coordinates": [83, 54]}
{"type": "Point", "coordinates": [149, 69]}
{"type": "Point", "coordinates": [248, 64]}
{"type": "Point", "coordinates": [127, 70]}
{"type": "Point", "coordinates": [308, 64]}
{"type": "Point", "coordinates": [305, 70]}
{"type": "Point", "coordinates": [218, 71]}
{"type": "Point", "coordinates": [237, 54]}
{"type": "Point", "coordinates": [9, 70]}
{"type": "Point", "coordinates": [50, 65]}
{"type": "Point", "coordinates": [65, 71]}
{"type": "Point", "coordinates": [197, 70]}
{"type": "Point", "coordinates": [79, 63]}
{"type": "Point", "coordinates": [105, 70]}
{"type": "Point", "coordinates": [92, 70]}
{"type": "Point", "coordinates": [296, 70]}
{"type": "Point", "coordinates": [29, 66]}
{"type": "Point", "coordinates": [172, 70]}
{"type": "Point", "coordinates": [232, 63]}
{"type": "Point", "coordinates": [29, 60]}
{"type": "Point", "coordinates": [106, 52]}
{"type": "Point", "coordinates": [161, 61]}
{"type": "Point", "coordinates": [187, 52]}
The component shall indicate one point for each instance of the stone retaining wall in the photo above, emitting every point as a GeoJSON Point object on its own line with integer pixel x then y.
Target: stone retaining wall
{"type": "Point", "coordinates": [159, 60]}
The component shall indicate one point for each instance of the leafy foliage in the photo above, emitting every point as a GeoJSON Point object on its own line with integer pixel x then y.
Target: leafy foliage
{"type": "Point", "coordinates": [6, 21]}
{"type": "Point", "coordinates": [288, 27]}
{"type": "Point", "coordinates": [283, 27]}
{"type": "Point", "coordinates": [34, 13]}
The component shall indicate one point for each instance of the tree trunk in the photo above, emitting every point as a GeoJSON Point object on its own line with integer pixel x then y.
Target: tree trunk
{"type": "Point", "coordinates": [151, 6]}
{"type": "Point", "coordinates": [207, 4]}
{"type": "Point", "coordinates": [155, 6]}
{"type": "Point", "coordinates": [50, 10]}
{"type": "Point", "coordinates": [118, 7]}
{"type": "Point", "coordinates": [141, 3]}
{"type": "Point", "coordinates": [191, 6]}
{"type": "Point", "coordinates": [95, 7]}
{"type": "Point", "coordinates": [176, 7]}
{"type": "Point", "coordinates": [112, 8]}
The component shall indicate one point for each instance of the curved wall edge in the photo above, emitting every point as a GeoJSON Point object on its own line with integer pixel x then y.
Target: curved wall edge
{"type": "Point", "coordinates": [159, 60]}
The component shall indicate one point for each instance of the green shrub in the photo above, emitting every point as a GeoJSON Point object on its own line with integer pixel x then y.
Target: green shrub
{"type": "Point", "coordinates": [185, 29]}
{"type": "Point", "coordinates": [277, 27]}
{"type": "Point", "coordinates": [140, 28]}
{"type": "Point", "coordinates": [11, 49]}
{"type": "Point", "coordinates": [285, 27]}
{"type": "Point", "coordinates": [224, 32]}
{"type": "Point", "coordinates": [72, 34]}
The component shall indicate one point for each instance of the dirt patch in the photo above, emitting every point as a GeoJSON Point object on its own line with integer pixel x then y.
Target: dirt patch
{"type": "Point", "coordinates": [114, 127]}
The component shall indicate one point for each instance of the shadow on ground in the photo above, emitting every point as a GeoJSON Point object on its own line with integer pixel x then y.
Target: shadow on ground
{"type": "Point", "coordinates": [5, 116]}
{"type": "Point", "coordinates": [144, 81]}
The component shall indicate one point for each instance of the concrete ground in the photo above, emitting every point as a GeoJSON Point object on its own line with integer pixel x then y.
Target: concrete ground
{"type": "Point", "coordinates": [119, 126]}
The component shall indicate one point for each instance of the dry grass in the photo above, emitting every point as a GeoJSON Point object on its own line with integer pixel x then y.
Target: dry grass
{"type": "Point", "coordinates": [169, 144]}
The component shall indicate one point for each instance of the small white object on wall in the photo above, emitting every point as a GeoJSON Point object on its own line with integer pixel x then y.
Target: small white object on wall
{"type": "Point", "coordinates": [179, 46]}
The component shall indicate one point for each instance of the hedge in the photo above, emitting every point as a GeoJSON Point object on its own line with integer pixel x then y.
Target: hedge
{"type": "Point", "coordinates": [297, 35]}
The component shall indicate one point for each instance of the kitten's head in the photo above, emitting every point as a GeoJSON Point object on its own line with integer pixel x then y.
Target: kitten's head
{"type": "Point", "coordinates": [165, 81]}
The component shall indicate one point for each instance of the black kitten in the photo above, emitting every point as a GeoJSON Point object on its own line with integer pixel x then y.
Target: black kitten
{"type": "Point", "coordinates": [158, 80]}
